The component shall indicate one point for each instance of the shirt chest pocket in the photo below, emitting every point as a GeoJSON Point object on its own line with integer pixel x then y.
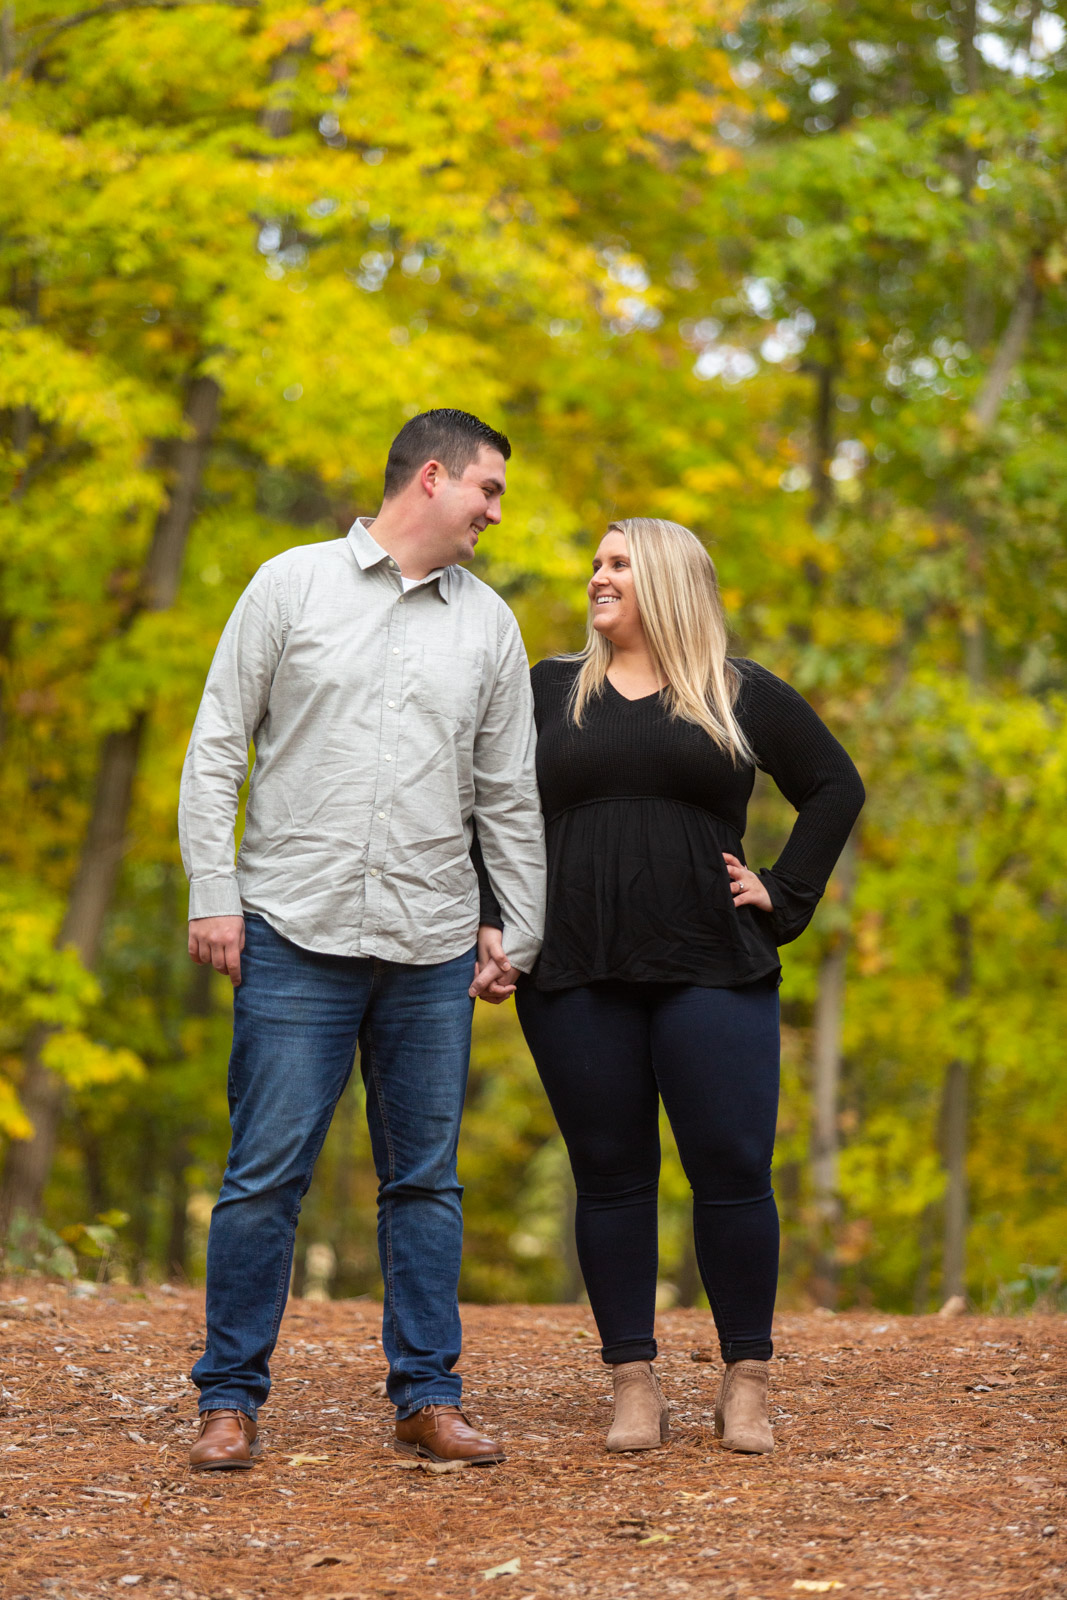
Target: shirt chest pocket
{"type": "Point", "coordinates": [444, 683]}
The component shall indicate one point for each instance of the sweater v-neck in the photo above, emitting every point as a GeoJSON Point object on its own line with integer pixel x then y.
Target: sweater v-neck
{"type": "Point", "coordinates": [638, 700]}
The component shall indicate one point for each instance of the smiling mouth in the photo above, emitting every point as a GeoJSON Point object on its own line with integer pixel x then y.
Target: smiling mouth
{"type": "Point", "coordinates": [607, 600]}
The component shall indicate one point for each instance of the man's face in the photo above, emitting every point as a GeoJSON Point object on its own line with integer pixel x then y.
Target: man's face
{"type": "Point", "coordinates": [464, 506]}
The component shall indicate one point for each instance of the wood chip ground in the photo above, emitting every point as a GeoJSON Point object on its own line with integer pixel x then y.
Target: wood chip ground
{"type": "Point", "coordinates": [916, 1457]}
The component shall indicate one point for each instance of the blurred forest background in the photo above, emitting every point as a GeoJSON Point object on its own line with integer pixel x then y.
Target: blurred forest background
{"type": "Point", "coordinates": [791, 273]}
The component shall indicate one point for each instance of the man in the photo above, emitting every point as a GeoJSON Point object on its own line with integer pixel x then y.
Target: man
{"type": "Point", "coordinates": [387, 693]}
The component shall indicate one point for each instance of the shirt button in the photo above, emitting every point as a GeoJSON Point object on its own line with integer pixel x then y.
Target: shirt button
{"type": "Point", "coordinates": [393, 565]}
{"type": "Point", "coordinates": [388, 758]}
{"type": "Point", "coordinates": [400, 602]}
{"type": "Point", "coordinates": [396, 652]}
{"type": "Point", "coordinates": [381, 814]}
{"type": "Point", "coordinates": [392, 703]}
{"type": "Point", "coordinates": [374, 872]}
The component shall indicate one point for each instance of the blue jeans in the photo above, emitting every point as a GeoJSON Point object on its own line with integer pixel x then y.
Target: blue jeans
{"type": "Point", "coordinates": [297, 1019]}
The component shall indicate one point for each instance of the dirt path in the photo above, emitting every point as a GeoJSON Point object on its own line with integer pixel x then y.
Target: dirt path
{"type": "Point", "coordinates": [915, 1457]}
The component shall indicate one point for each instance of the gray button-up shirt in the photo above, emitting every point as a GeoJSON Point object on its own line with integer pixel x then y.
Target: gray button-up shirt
{"type": "Point", "coordinates": [383, 722]}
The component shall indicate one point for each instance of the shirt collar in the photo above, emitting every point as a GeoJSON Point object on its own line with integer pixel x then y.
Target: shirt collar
{"type": "Point", "coordinates": [369, 553]}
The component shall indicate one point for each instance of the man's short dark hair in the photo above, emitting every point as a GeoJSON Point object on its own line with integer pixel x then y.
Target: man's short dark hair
{"type": "Point", "coordinates": [454, 438]}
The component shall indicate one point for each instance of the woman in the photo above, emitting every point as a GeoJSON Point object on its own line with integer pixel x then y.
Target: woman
{"type": "Point", "coordinates": [659, 973]}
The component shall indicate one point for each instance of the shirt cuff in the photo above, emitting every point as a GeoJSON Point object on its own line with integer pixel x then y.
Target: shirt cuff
{"type": "Point", "coordinates": [793, 904]}
{"type": "Point", "coordinates": [215, 897]}
{"type": "Point", "coordinates": [525, 953]}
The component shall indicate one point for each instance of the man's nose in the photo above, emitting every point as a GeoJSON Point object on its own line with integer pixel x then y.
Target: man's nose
{"type": "Point", "coordinates": [493, 512]}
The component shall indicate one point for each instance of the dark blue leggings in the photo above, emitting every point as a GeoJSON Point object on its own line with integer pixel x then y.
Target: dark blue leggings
{"type": "Point", "coordinates": [606, 1053]}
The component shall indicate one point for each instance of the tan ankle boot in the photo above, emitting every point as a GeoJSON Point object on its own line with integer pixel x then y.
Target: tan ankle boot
{"type": "Point", "coordinates": [641, 1418]}
{"type": "Point", "coordinates": [741, 1410]}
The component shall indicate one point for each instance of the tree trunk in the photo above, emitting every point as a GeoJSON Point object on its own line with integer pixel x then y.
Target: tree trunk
{"type": "Point", "coordinates": [1009, 351]}
{"type": "Point", "coordinates": [277, 116]}
{"type": "Point", "coordinates": [954, 1111]}
{"type": "Point", "coordinates": [927, 1243]}
{"type": "Point", "coordinates": [29, 1161]}
{"type": "Point", "coordinates": [177, 1258]}
{"type": "Point", "coordinates": [956, 1088]}
{"type": "Point", "coordinates": [826, 1083]}
{"type": "Point", "coordinates": [7, 40]}
{"type": "Point", "coordinates": [969, 47]}
{"type": "Point", "coordinates": [822, 444]}
{"type": "Point", "coordinates": [96, 1186]}
{"type": "Point", "coordinates": [7, 647]}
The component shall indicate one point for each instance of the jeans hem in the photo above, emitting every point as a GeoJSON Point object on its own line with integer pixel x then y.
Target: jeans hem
{"type": "Point", "coordinates": [429, 1400]}
{"type": "Point", "coordinates": [615, 1355]}
{"type": "Point", "coordinates": [747, 1350]}
{"type": "Point", "coordinates": [217, 1402]}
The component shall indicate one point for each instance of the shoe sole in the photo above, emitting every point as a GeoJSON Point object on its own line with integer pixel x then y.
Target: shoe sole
{"type": "Point", "coordinates": [425, 1454]}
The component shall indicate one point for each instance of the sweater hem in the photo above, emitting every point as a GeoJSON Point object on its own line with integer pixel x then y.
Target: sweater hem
{"type": "Point", "coordinates": [698, 979]}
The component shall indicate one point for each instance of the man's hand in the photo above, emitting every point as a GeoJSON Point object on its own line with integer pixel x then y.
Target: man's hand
{"type": "Point", "coordinates": [218, 942]}
{"type": "Point", "coordinates": [492, 970]}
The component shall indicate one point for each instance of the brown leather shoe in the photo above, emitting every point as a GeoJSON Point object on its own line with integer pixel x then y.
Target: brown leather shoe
{"type": "Point", "coordinates": [443, 1433]}
{"type": "Point", "coordinates": [226, 1443]}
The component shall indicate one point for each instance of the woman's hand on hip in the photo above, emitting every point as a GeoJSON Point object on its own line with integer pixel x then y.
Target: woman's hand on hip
{"type": "Point", "coordinates": [746, 888]}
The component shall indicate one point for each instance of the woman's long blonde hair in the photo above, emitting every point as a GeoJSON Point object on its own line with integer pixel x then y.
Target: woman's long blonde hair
{"type": "Point", "coordinates": [677, 595]}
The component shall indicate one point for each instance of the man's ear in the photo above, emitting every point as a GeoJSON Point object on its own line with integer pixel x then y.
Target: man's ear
{"type": "Point", "coordinates": [431, 477]}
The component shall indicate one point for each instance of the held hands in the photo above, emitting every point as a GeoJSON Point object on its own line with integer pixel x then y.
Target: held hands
{"type": "Point", "coordinates": [218, 942]}
{"type": "Point", "coordinates": [493, 972]}
{"type": "Point", "coordinates": [746, 888]}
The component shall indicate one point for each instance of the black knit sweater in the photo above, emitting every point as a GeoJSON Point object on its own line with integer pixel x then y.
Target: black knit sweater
{"type": "Point", "coordinates": [639, 807]}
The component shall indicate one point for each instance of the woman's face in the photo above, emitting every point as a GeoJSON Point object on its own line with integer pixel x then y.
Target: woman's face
{"type": "Point", "coordinates": [611, 592]}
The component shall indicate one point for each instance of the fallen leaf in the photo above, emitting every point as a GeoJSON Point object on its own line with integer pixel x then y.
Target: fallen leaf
{"type": "Point", "coordinates": [305, 1461]}
{"type": "Point", "coordinates": [327, 1558]}
{"type": "Point", "coordinates": [817, 1585]}
{"type": "Point", "coordinates": [505, 1569]}
{"type": "Point", "coordinates": [656, 1538]}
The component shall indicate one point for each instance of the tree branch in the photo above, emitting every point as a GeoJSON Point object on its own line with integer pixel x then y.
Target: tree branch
{"type": "Point", "coordinates": [1009, 351]}
{"type": "Point", "coordinates": [112, 8]}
